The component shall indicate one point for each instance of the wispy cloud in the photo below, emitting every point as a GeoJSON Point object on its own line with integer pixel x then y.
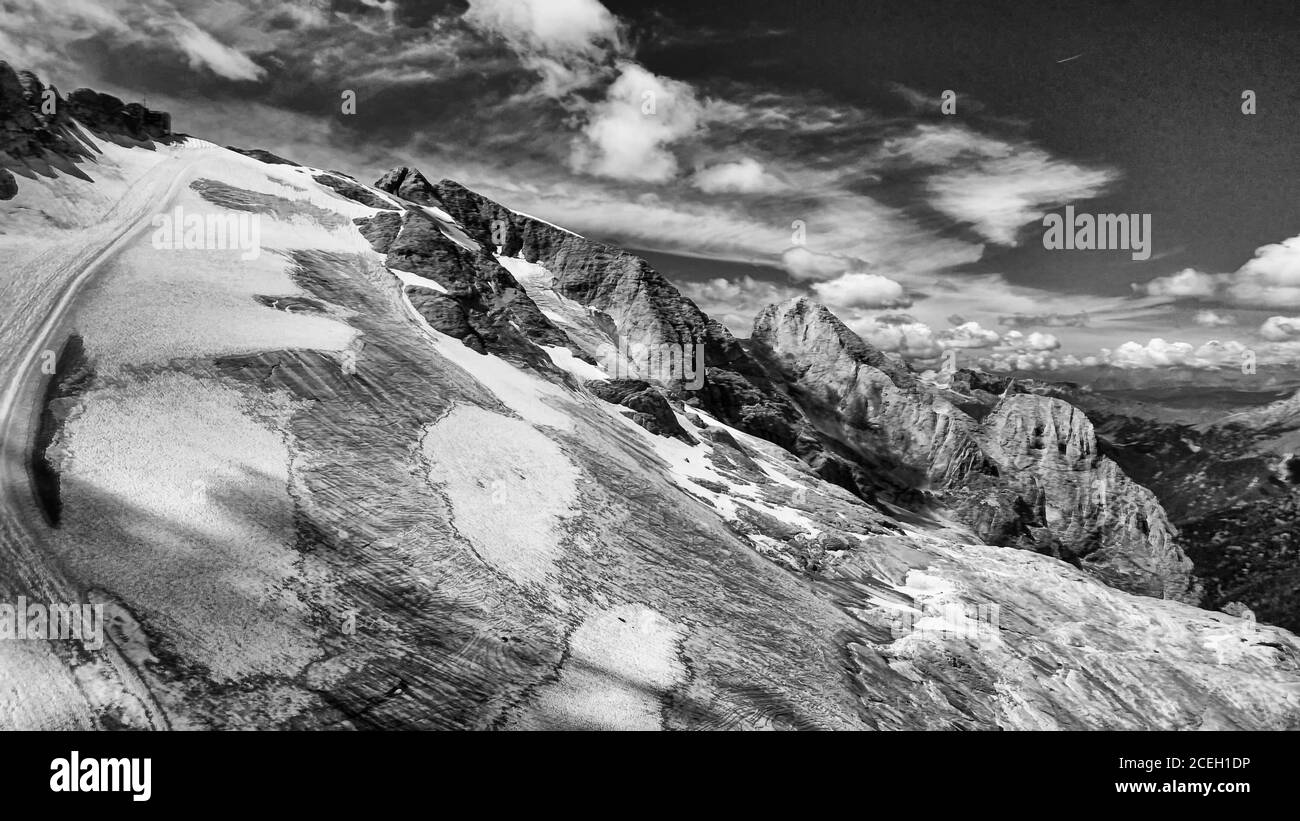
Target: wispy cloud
{"type": "Point", "coordinates": [37, 33]}
{"type": "Point", "coordinates": [996, 185]}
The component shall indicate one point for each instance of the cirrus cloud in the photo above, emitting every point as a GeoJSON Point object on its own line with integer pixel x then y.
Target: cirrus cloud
{"type": "Point", "coordinates": [995, 185]}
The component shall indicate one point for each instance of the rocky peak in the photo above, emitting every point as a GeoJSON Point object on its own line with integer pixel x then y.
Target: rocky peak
{"type": "Point", "coordinates": [823, 340]}
{"type": "Point", "coordinates": [409, 184]}
{"type": "Point", "coordinates": [41, 132]}
{"type": "Point", "coordinates": [865, 398]}
{"type": "Point", "coordinates": [1030, 431]}
{"type": "Point", "coordinates": [646, 308]}
{"type": "Point", "coordinates": [1095, 515]}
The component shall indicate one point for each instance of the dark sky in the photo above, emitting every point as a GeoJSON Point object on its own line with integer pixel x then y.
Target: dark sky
{"type": "Point", "coordinates": [1156, 92]}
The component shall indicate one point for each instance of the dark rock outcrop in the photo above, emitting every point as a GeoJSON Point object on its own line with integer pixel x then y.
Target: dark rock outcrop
{"type": "Point", "coordinates": [35, 136]}
{"type": "Point", "coordinates": [409, 184]}
{"type": "Point", "coordinates": [380, 230]}
{"type": "Point", "coordinates": [650, 408]}
{"type": "Point", "coordinates": [352, 191]}
{"type": "Point", "coordinates": [484, 306]}
{"type": "Point", "coordinates": [43, 133]}
{"type": "Point", "coordinates": [262, 155]}
{"type": "Point", "coordinates": [109, 117]}
{"type": "Point", "coordinates": [446, 315]}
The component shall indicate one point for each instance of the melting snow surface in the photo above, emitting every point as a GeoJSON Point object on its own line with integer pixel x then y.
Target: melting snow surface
{"type": "Point", "coordinates": [409, 278]}
{"type": "Point", "coordinates": [564, 358]}
{"type": "Point", "coordinates": [621, 663]}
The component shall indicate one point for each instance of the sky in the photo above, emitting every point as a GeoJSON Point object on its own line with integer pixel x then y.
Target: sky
{"type": "Point", "coordinates": [754, 151]}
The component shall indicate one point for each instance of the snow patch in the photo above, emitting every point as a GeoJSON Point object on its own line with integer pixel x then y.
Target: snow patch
{"type": "Point", "coordinates": [451, 229]}
{"type": "Point", "coordinates": [621, 664]}
{"type": "Point", "coordinates": [409, 278]}
{"type": "Point", "coordinates": [509, 487]}
{"type": "Point", "coordinates": [563, 358]}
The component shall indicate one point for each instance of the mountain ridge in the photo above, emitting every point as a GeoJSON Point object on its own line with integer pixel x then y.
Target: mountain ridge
{"type": "Point", "coordinates": [1137, 550]}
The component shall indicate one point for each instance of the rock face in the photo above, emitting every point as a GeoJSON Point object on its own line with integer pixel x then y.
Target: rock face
{"type": "Point", "coordinates": [1029, 475]}
{"type": "Point", "coordinates": [262, 155]}
{"type": "Point", "coordinates": [482, 305]}
{"type": "Point", "coordinates": [1095, 515]}
{"type": "Point", "coordinates": [352, 191]}
{"type": "Point", "coordinates": [381, 229]}
{"type": "Point", "coordinates": [409, 184]}
{"type": "Point", "coordinates": [870, 402]}
{"type": "Point", "coordinates": [649, 408]}
{"type": "Point", "coordinates": [1226, 483]}
{"type": "Point", "coordinates": [109, 117]}
{"type": "Point", "coordinates": [41, 132]}
{"type": "Point", "coordinates": [30, 138]}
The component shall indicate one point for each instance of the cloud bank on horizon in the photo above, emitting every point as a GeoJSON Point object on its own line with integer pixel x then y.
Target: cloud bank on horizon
{"type": "Point", "coordinates": [551, 106]}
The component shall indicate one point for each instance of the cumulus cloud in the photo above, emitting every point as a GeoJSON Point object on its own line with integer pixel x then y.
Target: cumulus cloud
{"type": "Point", "coordinates": [563, 27]}
{"type": "Point", "coordinates": [745, 176]}
{"type": "Point", "coordinates": [569, 43]}
{"type": "Point", "coordinates": [1035, 341]}
{"type": "Point", "coordinates": [1158, 353]}
{"type": "Point", "coordinates": [914, 340]}
{"type": "Point", "coordinates": [1211, 319]}
{"type": "Point", "coordinates": [968, 335]}
{"type": "Point", "coordinates": [1187, 283]}
{"type": "Point", "coordinates": [801, 263]}
{"type": "Point", "coordinates": [1280, 328]}
{"type": "Point", "coordinates": [862, 291]}
{"type": "Point", "coordinates": [909, 339]}
{"type": "Point", "coordinates": [736, 302]}
{"type": "Point", "coordinates": [577, 44]}
{"type": "Point", "coordinates": [1270, 279]}
{"type": "Point", "coordinates": [629, 133]}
